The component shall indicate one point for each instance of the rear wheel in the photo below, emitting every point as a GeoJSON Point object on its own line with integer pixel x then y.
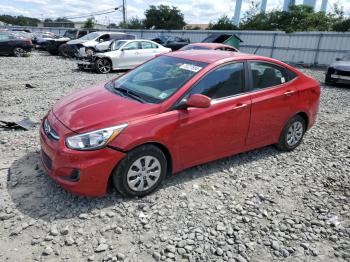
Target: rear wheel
{"type": "Point", "coordinates": [141, 171]}
{"type": "Point", "coordinates": [103, 66]}
{"type": "Point", "coordinates": [19, 52]}
{"type": "Point", "coordinates": [292, 134]}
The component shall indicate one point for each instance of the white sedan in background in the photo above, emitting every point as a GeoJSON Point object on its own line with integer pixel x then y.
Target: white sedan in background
{"type": "Point", "coordinates": [124, 54]}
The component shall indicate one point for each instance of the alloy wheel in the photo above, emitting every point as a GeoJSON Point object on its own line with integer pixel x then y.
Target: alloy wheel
{"type": "Point", "coordinates": [19, 51]}
{"type": "Point", "coordinates": [103, 66]}
{"type": "Point", "coordinates": [143, 173]}
{"type": "Point", "coordinates": [295, 133]}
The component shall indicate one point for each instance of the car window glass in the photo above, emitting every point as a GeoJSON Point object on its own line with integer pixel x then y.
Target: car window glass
{"type": "Point", "coordinates": [4, 37]}
{"type": "Point", "coordinates": [223, 82]}
{"type": "Point", "coordinates": [81, 33]}
{"type": "Point", "coordinates": [266, 75]}
{"type": "Point", "coordinates": [148, 45]}
{"type": "Point", "coordinates": [346, 57]}
{"type": "Point", "coordinates": [105, 37]}
{"type": "Point", "coordinates": [132, 46]}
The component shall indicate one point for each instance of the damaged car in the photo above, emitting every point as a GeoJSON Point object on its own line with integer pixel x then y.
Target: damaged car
{"type": "Point", "coordinates": [56, 46]}
{"type": "Point", "coordinates": [124, 54]}
{"type": "Point", "coordinates": [339, 71]}
{"type": "Point", "coordinates": [172, 42]}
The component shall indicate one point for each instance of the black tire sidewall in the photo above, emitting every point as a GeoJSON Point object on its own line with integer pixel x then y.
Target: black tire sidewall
{"type": "Point", "coordinates": [283, 144]}
{"type": "Point", "coordinates": [120, 174]}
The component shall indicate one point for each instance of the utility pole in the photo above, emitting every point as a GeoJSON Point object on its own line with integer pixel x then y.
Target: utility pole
{"type": "Point", "coordinates": [124, 11]}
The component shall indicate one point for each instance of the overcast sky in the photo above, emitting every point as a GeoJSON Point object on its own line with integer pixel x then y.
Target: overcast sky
{"type": "Point", "coordinates": [195, 11]}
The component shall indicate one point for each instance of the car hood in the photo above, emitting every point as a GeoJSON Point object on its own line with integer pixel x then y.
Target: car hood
{"type": "Point", "coordinates": [76, 41]}
{"type": "Point", "coordinates": [341, 65]}
{"type": "Point", "coordinates": [97, 107]}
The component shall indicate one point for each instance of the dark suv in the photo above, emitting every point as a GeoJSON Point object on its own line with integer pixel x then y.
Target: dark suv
{"type": "Point", "coordinates": [11, 44]}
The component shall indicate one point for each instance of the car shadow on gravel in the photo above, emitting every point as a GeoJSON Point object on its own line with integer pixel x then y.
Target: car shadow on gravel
{"type": "Point", "coordinates": [36, 195]}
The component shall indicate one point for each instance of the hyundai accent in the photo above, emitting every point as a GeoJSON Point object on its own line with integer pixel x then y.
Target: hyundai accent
{"type": "Point", "coordinates": [173, 112]}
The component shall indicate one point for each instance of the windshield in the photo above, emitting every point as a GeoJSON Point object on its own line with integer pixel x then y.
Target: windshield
{"type": "Point", "coordinates": [90, 36]}
{"type": "Point", "coordinates": [194, 47]}
{"type": "Point", "coordinates": [158, 79]}
{"type": "Point", "coordinates": [117, 44]}
{"type": "Point", "coordinates": [70, 34]}
{"type": "Point", "coordinates": [346, 57]}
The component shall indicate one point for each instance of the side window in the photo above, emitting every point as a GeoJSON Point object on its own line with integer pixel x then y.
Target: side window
{"type": "Point", "coordinates": [132, 46]}
{"type": "Point", "coordinates": [268, 75]}
{"type": "Point", "coordinates": [105, 37]}
{"type": "Point", "coordinates": [225, 81]}
{"type": "Point", "coordinates": [81, 33]}
{"type": "Point", "coordinates": [148, 45]}
{"type": "Point", "coordinates": [4, 37]}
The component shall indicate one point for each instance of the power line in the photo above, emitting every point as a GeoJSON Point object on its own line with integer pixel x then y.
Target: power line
{"type": "Point", "coordinates": [95, 13]}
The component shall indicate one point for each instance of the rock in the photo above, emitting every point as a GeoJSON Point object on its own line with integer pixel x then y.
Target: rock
{"type": "Point", "coordinates": [47, 251]}
{"type": "Point", "coordinates": [170, 248]}
{"type": "Point", "coordinates": [156, 256]}
{"type": "Point", "coordinates": [219, 251]}
{"type": "Point", "coordinates": [239, 258]}
{"type": "Point", "coordinates": [101, 248]}
{"type": "Point", "coordinates": [120, 256]}
{"type": "Point", "coordinates": [275, 245]}
{"type": "Point", "coordinates": [64, 231]}
{"type": "Point", "coordinates": [53, 230]}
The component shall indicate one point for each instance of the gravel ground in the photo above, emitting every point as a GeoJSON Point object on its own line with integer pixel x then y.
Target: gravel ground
{"type": "Point", "coordinates": [262, 205]}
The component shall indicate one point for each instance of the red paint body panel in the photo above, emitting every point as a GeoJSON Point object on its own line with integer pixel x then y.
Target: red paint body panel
{"type": "Point", "coordinates": [192, 136]}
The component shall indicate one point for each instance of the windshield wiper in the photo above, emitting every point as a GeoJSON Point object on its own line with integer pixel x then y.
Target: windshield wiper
{"type": "Point", "coordinates": [130, 93]}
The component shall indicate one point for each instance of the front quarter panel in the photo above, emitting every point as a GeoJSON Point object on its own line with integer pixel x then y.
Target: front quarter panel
{"type": "Point", "coordinates": [154, 129]}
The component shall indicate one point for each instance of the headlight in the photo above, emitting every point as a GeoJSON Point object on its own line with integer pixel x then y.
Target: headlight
{"type": "Point", "coordinates": [95, 139]}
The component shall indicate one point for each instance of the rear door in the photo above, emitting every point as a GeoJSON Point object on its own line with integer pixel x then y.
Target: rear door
{"type": "Point", "coordinates": [149, 50]}
{"type": "Point", "coordinates": [205, 134]}
{"type": "Point", "coordinates": [273, 100]}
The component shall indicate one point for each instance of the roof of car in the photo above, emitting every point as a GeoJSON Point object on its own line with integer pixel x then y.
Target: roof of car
{"type": "Point", "coordinates": [210, 56]}
{"type": "Point", "coordinates": [212, 45]}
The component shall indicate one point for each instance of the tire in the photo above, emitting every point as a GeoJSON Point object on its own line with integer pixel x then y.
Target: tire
{"type": "Point", "coordinates": [103, 66]}
{"type": "Point", "coordinates": [62, 50]}
{"type": "Point", "coordinates": [18, 52]}
{"type": "Point", "coordinates": [292, 134]}
{"type": "Point", "coordinates": [132, 177]}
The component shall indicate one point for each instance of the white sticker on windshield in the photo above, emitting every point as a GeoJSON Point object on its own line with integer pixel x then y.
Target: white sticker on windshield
{"type": "Point", "coordinates": [162, 95]}
{"type": "Point", "coordinates": [283, 80]}
{"type": "Point", "coordinates": [189, 67]}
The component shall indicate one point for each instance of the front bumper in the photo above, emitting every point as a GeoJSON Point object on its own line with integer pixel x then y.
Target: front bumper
{"type": "Point", "coordinates": [86, 65]}
{"type": "Point", "coordinates": [79, 172]}
{"type": "Point", "coordinates": [337, 78]}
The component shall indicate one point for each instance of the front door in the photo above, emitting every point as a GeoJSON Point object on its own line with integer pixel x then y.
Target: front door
{"type": "Point", "coordinates": [205, 134]}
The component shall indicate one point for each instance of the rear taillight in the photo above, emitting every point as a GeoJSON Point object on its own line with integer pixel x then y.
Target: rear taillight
{"type": "Point", "coordinates": [28, 41]}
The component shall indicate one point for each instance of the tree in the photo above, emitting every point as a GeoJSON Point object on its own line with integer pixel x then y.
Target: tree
{"type": "Point", "coordinates": [19, 20]}
{"type": "Point", "coordinates": [89, 23]}
{"type": "Point", "coordinates": [342, 26]}
{"type": "Point", "coordinates": [133, 23]}
{"type": "Point", "coordinates": [164, 17]}
{"type": "Point", "coordinates": [223, 23]}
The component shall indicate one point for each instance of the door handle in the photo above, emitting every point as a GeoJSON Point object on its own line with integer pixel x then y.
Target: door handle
{"type": "Point", "coordinates": [240, 105]}
{"type": "Point", "coordinates": [289, 93]}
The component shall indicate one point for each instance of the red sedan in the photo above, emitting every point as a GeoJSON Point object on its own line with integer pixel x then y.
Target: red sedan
{"type": "Point", "coordinates": [176, 111]}
{"type": "Point", "coordinates": [209, 46]}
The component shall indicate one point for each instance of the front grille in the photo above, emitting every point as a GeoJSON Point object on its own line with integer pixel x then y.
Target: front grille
{"type": "Point", "coordinates": [343, 73]}
{"type": "Point", "coordinates": [49, 131]}
{"type": "Point", "coordinates": [46, 160]}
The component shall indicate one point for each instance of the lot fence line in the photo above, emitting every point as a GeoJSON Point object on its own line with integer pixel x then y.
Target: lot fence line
{"type": "Point", "coordinates": [308, 48]}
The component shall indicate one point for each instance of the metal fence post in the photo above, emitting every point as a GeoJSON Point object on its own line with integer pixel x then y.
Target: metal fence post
{"type": "Point", "coordinates": [273, 45]}
{"type": "Point", "coordinates": [317, 51]}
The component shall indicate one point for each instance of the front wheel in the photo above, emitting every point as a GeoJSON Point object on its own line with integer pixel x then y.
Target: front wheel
{"type": "Point", "coordinates": [141, 171]}
{"type": "Point", "coordinates": [292, 134]}
{"type": "Point", "coordinates": [103, 66]}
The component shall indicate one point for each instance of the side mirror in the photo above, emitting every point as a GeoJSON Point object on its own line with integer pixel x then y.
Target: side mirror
{"type": "Point", "coordinates": [198, 101]}
{"type": "Point", "coordinates": [338, 59]}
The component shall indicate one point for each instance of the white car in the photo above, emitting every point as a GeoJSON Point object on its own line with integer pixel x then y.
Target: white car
{"type": "Point", "coordinates": [124, 54]}
{"type": "Point", "coordinates": [86, 45]}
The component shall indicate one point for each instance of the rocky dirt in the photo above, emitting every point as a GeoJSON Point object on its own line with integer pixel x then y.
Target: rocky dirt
{"type": "Point", "coordinates": [263, 205]}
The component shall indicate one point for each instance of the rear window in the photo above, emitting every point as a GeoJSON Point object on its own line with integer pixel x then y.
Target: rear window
{"type": "Point", "coordinates": [194, 47]}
